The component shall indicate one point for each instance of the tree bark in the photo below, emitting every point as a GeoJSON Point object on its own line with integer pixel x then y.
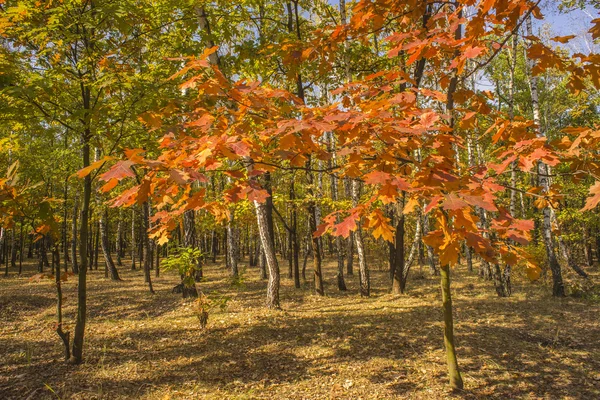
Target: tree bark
{"type": "Point", "coordinates": [79, 331]}
{"type": "Point", "coordinates": [110, 264]}
{"type": "Point", "coordinates": [334, 197]}
{"type": "Point", "coordinates": [398, 281]}
{"type": "Point", "coordinates": [119, 239]}
{"type": "Point", "coordinates": [316, 244]}
{"type": "Point", "coordinates": [269, 254]}
{"type": "Point", "coordinates": [147, 250]}
{"type": "Point", "coordinates": [453, 370]}
{"type": "Point", "coordinates": [363, 271]}
{"type": "Point", "coordinates": [133, 241]}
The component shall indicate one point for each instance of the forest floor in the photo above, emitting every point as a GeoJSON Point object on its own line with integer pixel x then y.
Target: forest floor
{"type": "Point", "coordinates": [528, 346]}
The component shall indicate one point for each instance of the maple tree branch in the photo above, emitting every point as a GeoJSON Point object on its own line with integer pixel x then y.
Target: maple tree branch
{"type": "Point", "coordinates": [285, 225]}
{"type": "Point", "coordinates": [325, 170]}
{"type": "Point", "coordinates": [502, 44]}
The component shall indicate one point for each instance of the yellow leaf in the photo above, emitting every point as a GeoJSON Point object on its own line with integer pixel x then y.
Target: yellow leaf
{"type": "Point", "coordinates": [533, 271]}
{"type": "Point", "coordinates": [411, 205]}
{"type": "Point", "coordinates": [82, 173]}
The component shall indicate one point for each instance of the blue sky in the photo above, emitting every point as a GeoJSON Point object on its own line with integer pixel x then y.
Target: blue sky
{"type": "Point", "coordinates": [576, 22]}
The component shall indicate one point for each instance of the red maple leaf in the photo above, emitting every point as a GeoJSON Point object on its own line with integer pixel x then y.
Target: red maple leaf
{"type": "Point", "coordinates": [120, 170]}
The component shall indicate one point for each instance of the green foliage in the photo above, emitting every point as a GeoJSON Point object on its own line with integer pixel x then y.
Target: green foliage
{"type": "Point", "coordinates": [185, 262]}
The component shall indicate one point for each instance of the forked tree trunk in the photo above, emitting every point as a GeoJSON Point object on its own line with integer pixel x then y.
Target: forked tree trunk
{"type": "Point", "coordinates": [269, 254]}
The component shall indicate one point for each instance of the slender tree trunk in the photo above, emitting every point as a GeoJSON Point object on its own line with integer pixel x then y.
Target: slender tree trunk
{"type": "Point", "coordinates": [232, 252]}
{"type": "Point", "coordinates": [4, 257]}
{"type": "Point", "coordinates": [316, 244]}
{"type": "Point", "coordinates": [398, 283]}
{"type": "Point", "coordinates": [109, 263]}
{"type": "Point", "coordinates": [570, 260]}
{"type": "Point", "coordinates": [64, 336]}
{"type": "Point", "coordinates": [21, 246]}
{"type": "Point", "coordinates": [147, 251]}
{"type": "Point", "coordinates": [334, 197]}
{"type": "Point", "coordinates": [453, 370]}
{"type": "Point", "coordinates": [558, 288]}
{"type": "Point", "coordinates": [96, 252]}
{"type": "Point", "coordinates": [157, 260]}
{"type": "Point", "coordinates": [64, 243]}
{"type": "Point", "coordinates": [363, 271]}
{"type": "Point", "coordinates": [74, 263]}
{"type": "Point", "coordinates": [13, 248]}
{"type": "Point", "coordinates": [119, 241]}
{"type": "Point", "coordinates": [133, 242]}
{"type": "Point", "coordinates": [77, 351]}
{"type": "Point", "coordinates": [295, 240]}
{"type": "Point", "coordinates": [430, 256]}
{"type": "Point", "coordinates": [215, 246]}
{"type": "Point", "coordinates": [269, 254]}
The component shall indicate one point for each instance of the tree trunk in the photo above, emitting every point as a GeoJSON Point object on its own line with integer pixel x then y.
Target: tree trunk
{"type": "Point", "coordinates": [133, 242]}
{"type": "Point", "coordinates": [269, 254]}
{"type": "Point", "coordinates": [430, 256]}
{"type": "Point", "coordinates": [64, 336]}
{"type": "Point", "coordinates": [74, 263]}
{"type": "Point", "coordinates": [453, 370]}
{"type": "Point", "coordinates": [13, 248]}
{"type": "Point", "coordinates": [110, 264]}
{"type": "Point", "coordinates": [312, 223]}
{"type": "Point", "coordinates": [334, 197]}
{"type": "Point", "coordinates": [262, 264]}
{"type": "Point", "coordinates": [119, 240]}
{"type": "Point", "coordinates": [363, 271]}
{"type": "Point", "coordinates": [21, 248]}
{"type": "Point", "coordinates": [147, 251]}
{"type": "Point", "coordinates": [232, 253]}
{"type": "Point", "coordinates": [398, 282]}
{"type": "Point", "coordinates": [295, 240]}
{"type": "Point", "coordinates": [77, 352]}
{"type": "Point", "coordinates": [96, 251]}
{"type": "Point", "coordinates": [558, 288]}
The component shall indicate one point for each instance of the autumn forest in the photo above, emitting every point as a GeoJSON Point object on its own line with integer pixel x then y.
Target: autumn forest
{"type": "Point", "coordinates": [299, 199]}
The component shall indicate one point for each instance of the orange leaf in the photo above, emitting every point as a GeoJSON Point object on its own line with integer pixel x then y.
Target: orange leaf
{"type": "Point", "coordinates": [377, 177]}
{"type": "Point", "coordinates": [109, 185]}
{"type": "Point", "coordinates": [563, 39]}
{"type": "Point", "coordinates": [594, 199]}
{"type": "Point", "coordinates": [346, 226]}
